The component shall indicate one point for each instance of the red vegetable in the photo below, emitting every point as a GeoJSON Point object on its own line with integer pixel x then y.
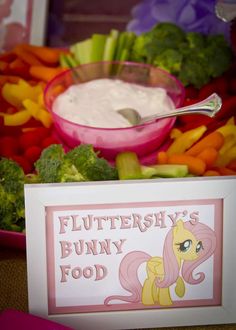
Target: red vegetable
{"type": "Point", "coordinates": [29, 139]}
{"type": "Point", "coordinates": [32, 154]}
{"type": "Point", "coordinates": [9, 146]}
{"type": "Point", "coordinates": [23, 162]}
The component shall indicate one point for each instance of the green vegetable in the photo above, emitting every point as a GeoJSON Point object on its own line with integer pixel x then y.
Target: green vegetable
{"type": "Point", "coordinates": [82, 51]}
{"type": "Point", "coordinates": [89, 165]}
{"type": "Point", "coordinates": [12, 210]}
{"type": "Point", "coordinates": [124, 45]}
{"type": "Point", "coordinates": [164, 171]}
{"type": "Point", "coordinates": [67, 61]}
{"type": "Point", "coordinates": [98, 44]}
{"type": "Point", "coordinates": [129, 168]}
{"type": "Point", "coordinates": [80, 164]}
{"type": "Point", "coordinates": [193, 57]}
{"type": "Point", "coordinates": [110, 45]}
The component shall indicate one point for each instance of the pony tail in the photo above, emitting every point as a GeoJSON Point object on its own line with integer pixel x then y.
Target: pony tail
{"type": "Point", "coordinates": [128, 275]}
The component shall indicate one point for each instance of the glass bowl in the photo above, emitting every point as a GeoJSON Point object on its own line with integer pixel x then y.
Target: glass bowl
{"type": "Point", "coordinates": [142, 139]}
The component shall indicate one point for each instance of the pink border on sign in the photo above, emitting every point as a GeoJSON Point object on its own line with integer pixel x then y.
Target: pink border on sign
{"type": "Point", "coordinates": [217, 262]}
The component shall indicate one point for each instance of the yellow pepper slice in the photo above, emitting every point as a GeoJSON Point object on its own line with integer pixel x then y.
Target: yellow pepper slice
{"type": "Point", "coordinates": [226, 158]}
{"type": "Point", "coordinates": [185, 140]}
{"type": "Point", "coordinates": [16, 119]}
{"type": "Point", "coordinates": [227, 130]}
{"type": "Point", "coordinates": [15, 94]}
{"type": "Point", "coordinates": [38, 112]}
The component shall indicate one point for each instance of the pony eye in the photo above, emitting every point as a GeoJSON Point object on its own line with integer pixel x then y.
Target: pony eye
{"type": "Point", "coordinates": [199, 246]}
{"type": "Point", "coordinates": [185, 246]}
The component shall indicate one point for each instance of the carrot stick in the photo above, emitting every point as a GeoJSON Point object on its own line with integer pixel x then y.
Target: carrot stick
{"type": "Point", "coordinates": [232, 165]}
{"type": "Point", "coordinates": [46, 54]}
{"type": "Point", "coordinates": [226, 171]}
{"type": "Point", "coordinates": [3, 65]}
{"type": "Point", "coordinates": [44, 73]}
{"type": "Point", "coordinates": [26, 56]}
{"type": "Point", "coordinates": [18, 67]}
{"type": "Point", "coordinates": [162, 157]}
{"type": "Point", "coordinates": [8, 56]}
{"type": "Point", "coordinates": [211, 173]}
{"type": "Point", "coordinates": [213, 140]}
{"type": "Point", "coordinates": [8, 78]}
{"type": "Point", "coordinates": [195, 165]}
{"type": "Point", "coordinates": [209, 156]}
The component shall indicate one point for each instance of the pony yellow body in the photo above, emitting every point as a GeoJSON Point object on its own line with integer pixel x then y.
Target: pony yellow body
{"type": "Point", "coordinates": [151, 293]}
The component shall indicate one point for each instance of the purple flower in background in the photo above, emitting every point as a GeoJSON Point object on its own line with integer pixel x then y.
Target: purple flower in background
{"type": "Point", "coordinates": [190, 15]}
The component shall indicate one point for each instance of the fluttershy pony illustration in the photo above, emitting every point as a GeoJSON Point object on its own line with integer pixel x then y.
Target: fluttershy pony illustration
{"type": "Point", "coordinates": [186, 246]}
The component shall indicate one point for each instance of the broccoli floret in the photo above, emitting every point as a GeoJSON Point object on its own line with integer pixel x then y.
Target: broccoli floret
{"type": "Point", "coordinates": [53, 166]}
{"type": "Point", "coordinates": [193, 57]}
{"type": "Point", "coordinates": [166, 35]}
{"type": "Point", "coordinates": [194, 71]}
{"type": "Point", "coordinates": [91, 166]}
{"type": "Point", "coordinates": [211, 58]}
{"type": "Point", "coordinates": [162, 37]}
{"type": "Point", "coordinates": [11, 177]}
{"type": "Point", "coordinates": [12, 208]}
{"type": "Point", "coordinates": [219, 53]}
{"type": "Point", "coordinates": [195, 40]}
{"type": "Point", "coordinates": [139, 51]}
{"type": "Point", "coordinates": [169, 60]}
{"type": "Point", "coordinates": [80, 164]}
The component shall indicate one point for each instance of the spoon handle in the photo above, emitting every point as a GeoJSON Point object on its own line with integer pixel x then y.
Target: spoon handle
{"type": "Point", "coordinates": [209, 106]}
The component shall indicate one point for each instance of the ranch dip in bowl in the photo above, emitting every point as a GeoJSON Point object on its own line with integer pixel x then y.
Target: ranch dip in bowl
{"type": "Point", "coordinates": [84, 107]}
{"type": "Point", "coordinates": [95, 103]}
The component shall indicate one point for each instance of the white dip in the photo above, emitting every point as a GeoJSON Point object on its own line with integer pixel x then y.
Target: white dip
{"type": "Point", "coordinates": [94, 103]}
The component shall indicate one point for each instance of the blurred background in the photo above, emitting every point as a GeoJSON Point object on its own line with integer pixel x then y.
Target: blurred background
{"type": "Point", "coordinates": [72, 20]}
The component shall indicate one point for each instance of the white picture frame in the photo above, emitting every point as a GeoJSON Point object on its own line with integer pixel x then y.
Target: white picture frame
{"type": "Point", "coordinates": [42, 196]}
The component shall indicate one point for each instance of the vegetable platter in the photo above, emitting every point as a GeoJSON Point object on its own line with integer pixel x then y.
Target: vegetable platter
{"type": "Point", "coordinates": [31, 152]}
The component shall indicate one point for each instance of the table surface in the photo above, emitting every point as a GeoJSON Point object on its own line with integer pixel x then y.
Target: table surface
{"type": "Point", "coordinates": [13, 287]}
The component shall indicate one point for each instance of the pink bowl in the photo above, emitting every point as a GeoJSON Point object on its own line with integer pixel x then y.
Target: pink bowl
{"type": "Point", "coordinates": [142, 139]}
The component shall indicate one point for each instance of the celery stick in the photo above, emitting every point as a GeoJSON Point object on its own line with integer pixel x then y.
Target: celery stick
{"type": "Point", "coordinates": [72, 61]}
{"type": "Point", "coordinates": [128, 166]}
{"type": "Point", "coordinates": [63, 62]}
{"type": "Point", "coordinates": [82, 51]}
{"type": "Point", "coordinates": [120, 45]}
{"type": "Point", "coordinates": [98, 45]}
{"type": "Point", "coordinates": [124, 56]}
{"type": "Point", "coordinates": [125, 43]}
{"type": "Point", "coordinates": [110, 45]}
{"type": "Point", "coordinates": [164, 171]}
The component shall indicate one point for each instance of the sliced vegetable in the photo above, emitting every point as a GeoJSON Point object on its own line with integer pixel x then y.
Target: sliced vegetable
{"type": "Point", "coordinates": [128, 166]}
{"type": "Point", "coordinates": [209, 156]}
{"type": "Point", "coordinates": [110, 46]}
{"type": "Point", "coordinates": [44, 73]}
{"type": "Point", "coordinates": [213, 140]}
{"type": "Point", "coordinates": [98, 45]}
{"type": "Point", "coordinates": [185, 140]}
{"type": "Point", "coordinates": [196, 166]}
{"type": "Point", "coordinates": [165, 171]}
{"type": "Point", "coordinates": [17, 119]}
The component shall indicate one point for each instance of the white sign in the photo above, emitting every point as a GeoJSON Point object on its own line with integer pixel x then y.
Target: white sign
{"type": "Point", "coordinates": [156, 247]}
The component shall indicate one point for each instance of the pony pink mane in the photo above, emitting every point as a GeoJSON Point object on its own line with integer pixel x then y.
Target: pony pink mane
{"type": "Point", "coordinates": [207, 236]}
{"type": "Point", "coordinates": [129, 278]}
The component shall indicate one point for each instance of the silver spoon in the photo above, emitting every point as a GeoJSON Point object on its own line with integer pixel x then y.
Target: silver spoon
{"type": "Point", "coordinates": [209, 107]}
